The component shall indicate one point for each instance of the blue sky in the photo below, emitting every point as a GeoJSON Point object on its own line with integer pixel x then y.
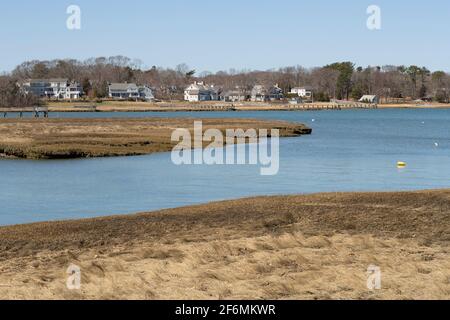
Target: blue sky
{"type": "Point", "coordinates": [218, 35]}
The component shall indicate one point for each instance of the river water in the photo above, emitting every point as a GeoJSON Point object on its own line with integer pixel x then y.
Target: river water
{"type": "Point", "coordinates": [350, 150]}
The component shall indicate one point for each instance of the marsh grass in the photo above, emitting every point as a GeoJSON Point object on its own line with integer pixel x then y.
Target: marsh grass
{"type": "Point", "coordinates": [81, 138]}
{"type": "Point", "coordinates": [318, 257]}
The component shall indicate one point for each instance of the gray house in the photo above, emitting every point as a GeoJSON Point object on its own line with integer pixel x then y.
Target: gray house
{"type": "Point", "coordinates": [275, 93]}
{"type": "Point", "coordinates": [259, 94]}
{"type": "Point", "coordinates": [236, 95]}
{"type": "Point", "coordinates": [262, 94]}
{"type": "Point", "coordinates": [122, 91]}
{"type": "Point", "coordinates": [146, 93]}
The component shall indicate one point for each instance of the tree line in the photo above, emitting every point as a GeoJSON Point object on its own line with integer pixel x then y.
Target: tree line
{"type": "Point", "coordinates": [341, 80]}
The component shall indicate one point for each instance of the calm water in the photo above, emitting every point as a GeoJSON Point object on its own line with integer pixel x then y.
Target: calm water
{"type": "Point", "coordinates": [354, 150]}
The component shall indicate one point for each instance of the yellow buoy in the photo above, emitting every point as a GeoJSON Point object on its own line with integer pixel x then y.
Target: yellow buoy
{"type": "Point", "coordinates": [401, 164]}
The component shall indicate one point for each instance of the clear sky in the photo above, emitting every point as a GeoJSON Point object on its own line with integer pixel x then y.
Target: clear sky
{"type": "Point", "coordinates": [218, 35]}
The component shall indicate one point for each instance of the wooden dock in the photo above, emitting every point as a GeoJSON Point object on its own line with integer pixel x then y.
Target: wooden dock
{"type": "Point", "coordinates": [85, 108]}
{"type": "Point", "coordinates": [37, 112]}
{"type": "Point", "coordinates": [213, 108]}
{"type": "Point", "coordinates": [331, 106]}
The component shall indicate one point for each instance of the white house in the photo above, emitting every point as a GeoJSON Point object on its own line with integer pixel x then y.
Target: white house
{"type": "Point", "coordinates": [369, 99]}
{"type": "Point", "coordinates": [303, 92]}
{"type": "Point", "coordinates": [198, 91]}
{"type": "Point", "coordinates": [73, 91]}
{"type": "Point", "coordinates": [57, 88]}
{"type": "Point", "coordinates": [53, 88]}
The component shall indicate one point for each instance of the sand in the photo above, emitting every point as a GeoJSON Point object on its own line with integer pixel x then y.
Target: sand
{"type": "Point", "coordinates": [287, 247]}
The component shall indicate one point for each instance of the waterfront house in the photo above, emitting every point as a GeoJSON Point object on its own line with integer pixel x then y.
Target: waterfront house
{"type": "Point", "coordinates": [295, 100]}
{"type": "Point", "coordinates": [369, 99]}
{"type": "Point", "coordinates": [123, 91]}
{"type": "Point", "coordinates": [259, 94]}
{"type": "Point", "coordinates": [236, 95]}
{"type": "Point", "coordinates": [275, 93]}
{"type": "Point", "coordinates": [198, 91]}
{"type": "Point", "coordinates": [53, 88]}
{"type": "Point", "coordinates": [57, 88]}
{"type": "Point", "coordinates": [146, 93]}
{"type": "Point", "coordinates": [74, 91]}
{"type": "Point", "coordinates": [303, 92]}
{"type": "Point", "coordinates": [37, 87]}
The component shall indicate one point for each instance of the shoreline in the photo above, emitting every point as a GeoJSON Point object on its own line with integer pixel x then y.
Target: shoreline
{"type": "Point", "coordinates": [282, 247]}
{"type": "Point", "coordinates": [414, 106]}
{"type": "Point", "coordinates": [115, 106]}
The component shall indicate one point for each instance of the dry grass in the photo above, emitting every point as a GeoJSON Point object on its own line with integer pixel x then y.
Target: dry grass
{"type": "Point", "coordinates": [296, 247]}
{"type": "Point", "coordinates": [79, 138]}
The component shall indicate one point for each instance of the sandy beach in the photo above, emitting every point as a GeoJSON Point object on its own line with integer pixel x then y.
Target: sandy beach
{"type": "Point", "coordinates": [287, 247]}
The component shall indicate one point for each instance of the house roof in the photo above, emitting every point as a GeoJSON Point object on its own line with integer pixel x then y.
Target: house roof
{"type": "Point", "coordinates": [123, 86]}
{"type": "Point", "coordinates": [275, 90]}
{"type": "Point", "coordinates": [58, 80]}
{"type": "Point", "coordinates": [47, 80]}
{"type": "Point", "coordinates": [368, 97]}
{"type": "Point", "coordinates": [259, 89]}
{"type": "Point", "coordinates": [143, 88]}
{"type": "Point", "coordinates": [201, 88]}
{"type": "Point", "coordinates": [301, 88]}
